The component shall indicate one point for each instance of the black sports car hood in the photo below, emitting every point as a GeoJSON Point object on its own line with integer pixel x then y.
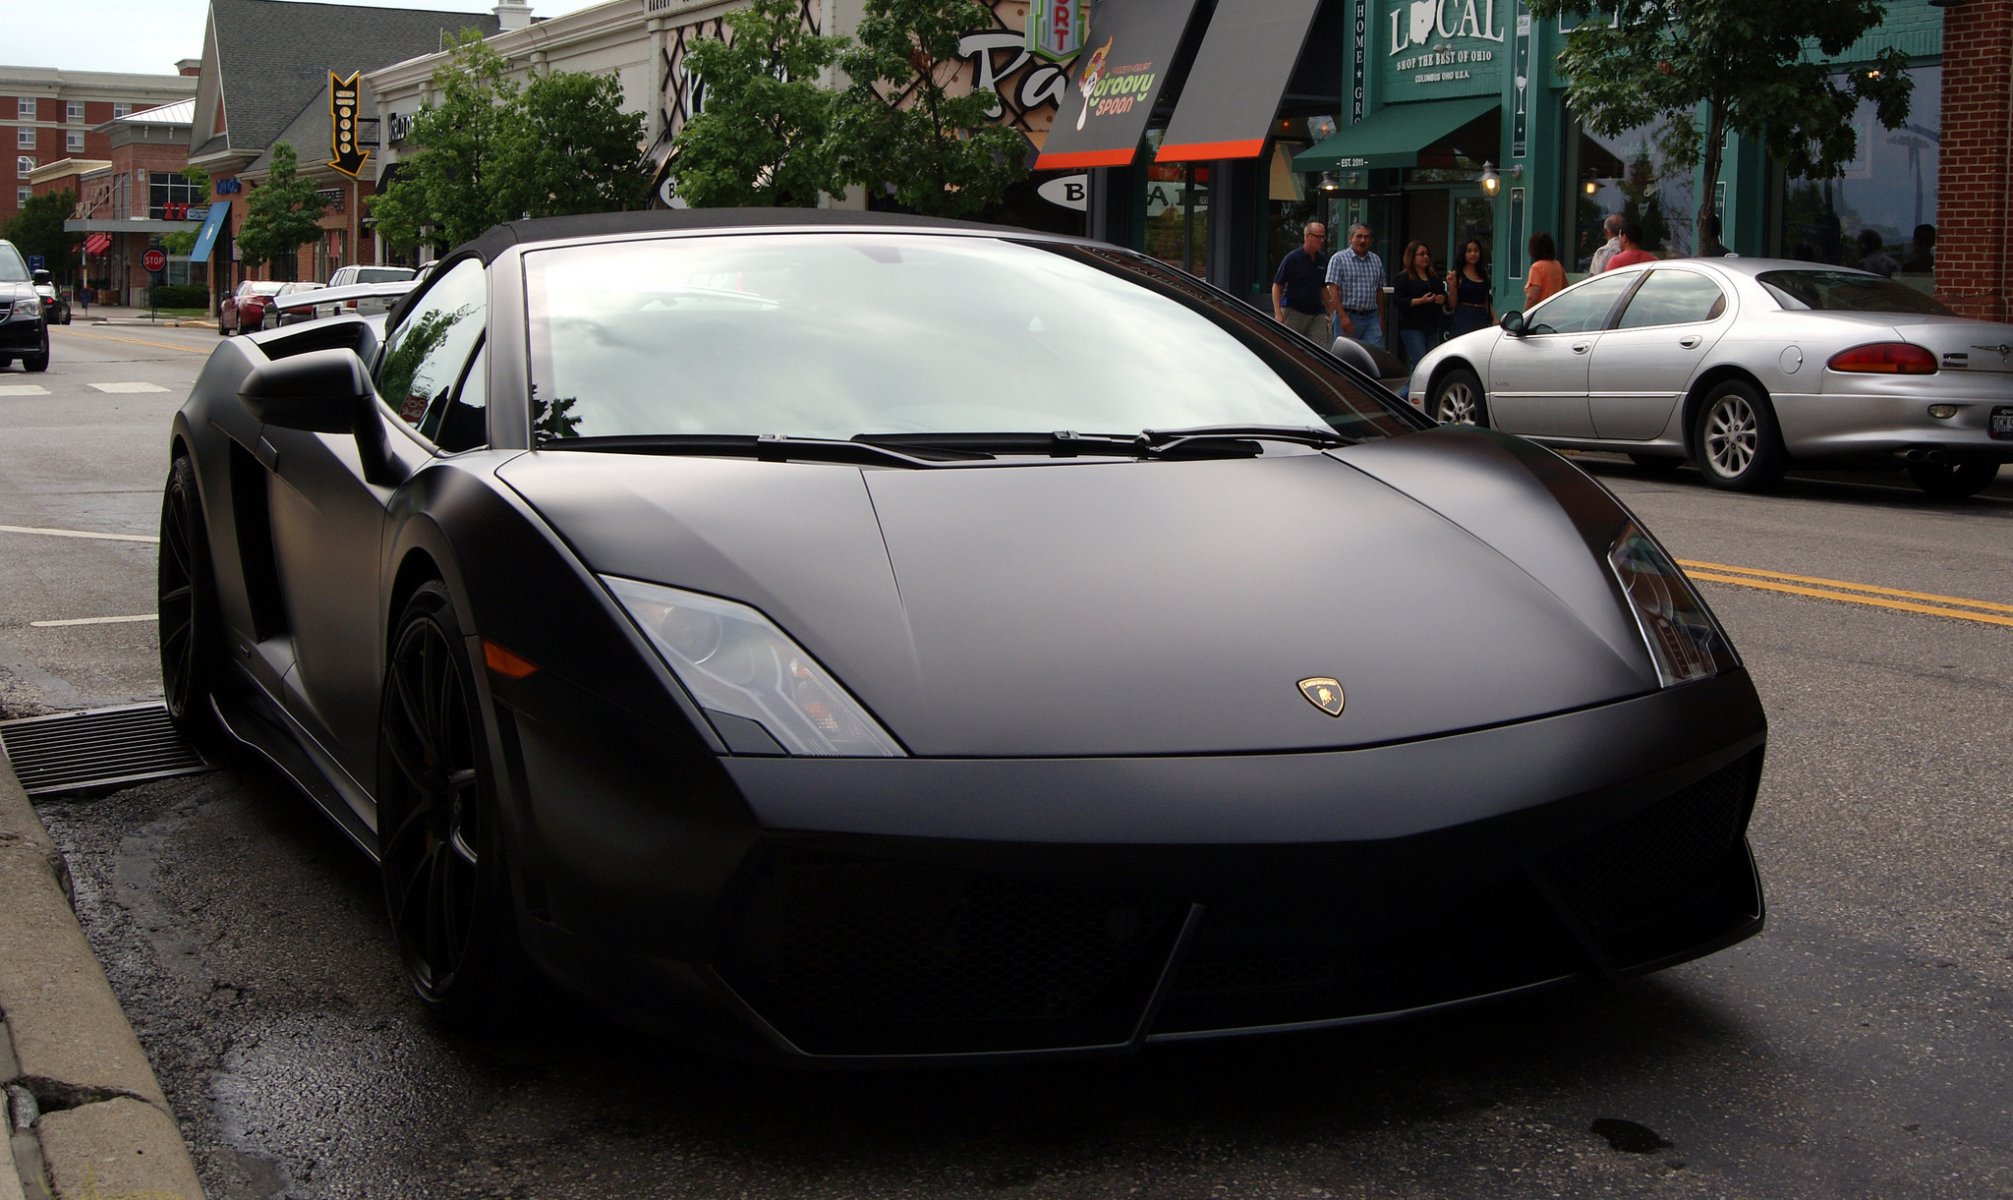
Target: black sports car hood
{"type": "Point", "coordinates": [1070, 608]}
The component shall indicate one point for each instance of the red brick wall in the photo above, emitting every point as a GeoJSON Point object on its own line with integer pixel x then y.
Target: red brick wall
{"type": "Point", "coordinates": [1974, 188]}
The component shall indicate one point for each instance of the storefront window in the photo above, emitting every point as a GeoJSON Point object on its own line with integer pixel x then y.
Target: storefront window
{"type": "Point", "coordinates": [1881, 214]}
{"type": "Point", "coordinates": [169, 196]}
{"type": "Point", "coordinates": [1632, 176]}
{"type": "Point", "coordinates": [1177, 211]}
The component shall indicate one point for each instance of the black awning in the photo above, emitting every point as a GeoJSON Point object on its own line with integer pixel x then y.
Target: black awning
{"type": "Point", "coordinates": [1114, 83]}
{"type": "Point", "coordinates": [1232, 92]}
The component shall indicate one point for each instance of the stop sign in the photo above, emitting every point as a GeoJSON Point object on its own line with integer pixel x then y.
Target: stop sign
{"type": "Point", "coordinates": [154, 260]}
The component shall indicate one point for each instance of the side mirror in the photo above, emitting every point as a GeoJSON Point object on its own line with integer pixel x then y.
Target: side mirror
{"type": "Point", "coordinates": [1513, 323]}
{"type": "Point", "coordinates": [322, 391]}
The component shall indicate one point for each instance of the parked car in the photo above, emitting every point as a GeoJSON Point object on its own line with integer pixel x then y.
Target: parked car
{"type": "Point", "coordinates": [24, 330]}
{"type": "Point", "coordinates": [1744, 366]}
{"type": "Point", "coordinates": [289, 305]}
{"type": "Point", "coordinates": [858, 637]}
{"type": "Point", "coordinates": [55, 305]}
{"type": "Point", "coordinates": [356, 274]}
{"type": "Point", "coordinates": [244, 310]}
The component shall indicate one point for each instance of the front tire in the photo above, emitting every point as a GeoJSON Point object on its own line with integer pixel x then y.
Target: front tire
{"type": "Point", "coordinates": [39, 360]}
{"type": "Point", "coordinates": [440, 845]}
{"type": "Point", "coordinates": [1952, 481]}
{"type": "Point", "coordinates": [1736, 441]}
{"type": "Point", "coordinates": [1458, 399]}
{"type": "Point", "coordinates": [185, 597]}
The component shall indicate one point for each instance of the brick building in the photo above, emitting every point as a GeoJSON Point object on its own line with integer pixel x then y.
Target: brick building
{"type": "Point", "coordinates": [48, 115]}
{"type": "Point", "coordinates": [126, 202]}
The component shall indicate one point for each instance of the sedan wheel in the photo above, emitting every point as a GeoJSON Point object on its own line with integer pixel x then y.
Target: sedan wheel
{"type": "Point", "coordinates": [438, 842]}
{"type": "Point", "coordinates": [1736, 441]}
{"type": "Point", "coordinates": [1952, 481]}
{"type": "Point", "coordinates": [1458, 400]}
{"type": "Point", "coordinates": [185, 597]}
{"type": "Point", "coordinates": [39, 360]}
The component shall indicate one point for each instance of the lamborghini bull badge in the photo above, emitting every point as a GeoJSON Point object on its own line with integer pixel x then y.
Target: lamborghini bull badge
{"type": "Point", "coordinates": [1323, 693]}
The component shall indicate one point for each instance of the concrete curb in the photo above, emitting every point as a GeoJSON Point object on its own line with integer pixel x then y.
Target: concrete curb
{"type": "Point", "coordinates": [86, 1116]}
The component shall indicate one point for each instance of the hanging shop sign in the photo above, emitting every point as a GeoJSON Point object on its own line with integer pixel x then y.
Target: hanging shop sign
{"type": "Point", "coordinates": [1056, 28]}
{"type": "Point", "coordinates": [345, 97]}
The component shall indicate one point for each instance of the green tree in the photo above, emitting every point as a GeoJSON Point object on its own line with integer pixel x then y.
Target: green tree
{"type": "Point", "coordinates": [567, 147]}
{"type": "Point", "coordinates": [903, 125]}
{"type": "Point", "coordinates": [1719, 67]}
{"type": "Point", "coordinates": [38, 229]}
{"type": "Point", "coordinates": [490, 150]}
{"type": "Point", "coordinates": [281, 215]}
{"type": "Point", "coordinates": [762, 136]}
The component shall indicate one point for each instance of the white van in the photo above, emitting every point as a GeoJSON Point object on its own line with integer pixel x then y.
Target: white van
{"type": "Point", "coordinates": [345, 276]}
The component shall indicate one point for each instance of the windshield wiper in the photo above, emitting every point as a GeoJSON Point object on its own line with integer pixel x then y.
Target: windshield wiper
{"type": "Point", "coordinates": [768, 447]}
{"type": "Point", "coordinates": [1205, 438]}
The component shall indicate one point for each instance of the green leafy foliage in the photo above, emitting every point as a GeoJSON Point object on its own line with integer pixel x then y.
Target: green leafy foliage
{"type": "Point", "coordinates": [281, 215]}
{"type": "Point", "coordinates": [38, 229]}
{"type": "Point", "coordinates": [763, 135]}
{"type": "Point", "coordinates": [901, 130]}
{"type": "Point", "coordinates": [1709, 68]}
{"type": "Point", "coordinates": [492, 150]}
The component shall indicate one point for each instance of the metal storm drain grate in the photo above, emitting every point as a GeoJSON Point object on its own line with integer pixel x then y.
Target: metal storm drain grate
{"type": "Point", "coordinates": [95, 750]}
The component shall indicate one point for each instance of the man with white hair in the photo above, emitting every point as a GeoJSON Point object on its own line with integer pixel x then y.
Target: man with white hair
{"type": "Point", "coordinates": [1612, 230]}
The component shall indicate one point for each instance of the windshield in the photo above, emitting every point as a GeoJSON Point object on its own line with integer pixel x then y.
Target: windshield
{"type": "Point", "coordinates": [842, 335]}
{"type": "Point", "coordinates": [1846, 291]}
{"type": "Point", "coordinates": [12, 268]}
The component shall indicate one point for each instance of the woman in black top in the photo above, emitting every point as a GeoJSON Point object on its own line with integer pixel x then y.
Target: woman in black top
{"type": "Point", "coordinates": [1474, 303]}
{"type": "Point", "coordinates": [1421, 299]}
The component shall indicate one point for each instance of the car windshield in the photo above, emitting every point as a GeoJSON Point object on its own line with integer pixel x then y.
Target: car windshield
{"type": "Point", "coordinates": [857, 334]}
{"type": "Point", "coordinates": [1846, 291]}
{"type": "Point", "coordinates": [12, 268]}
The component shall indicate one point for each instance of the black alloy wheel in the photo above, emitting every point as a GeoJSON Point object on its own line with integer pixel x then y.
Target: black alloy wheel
{"type": "Point", "coordinates": [1458, 400]}
{"type": "Point", "coordinates": [439, 845]}
{"type": "Point", "coordinates": [39, 359]}
{"type": "Point", "coordinates": [1735, 439]}
{"type": "Point", "coordinates": [1952, 480]}
{"type": "Point", "coordinates": [185, 597]}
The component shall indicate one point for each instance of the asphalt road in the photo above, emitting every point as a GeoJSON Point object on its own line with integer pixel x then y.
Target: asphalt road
{"type": "Point", "coordinates": [1861, 1046]}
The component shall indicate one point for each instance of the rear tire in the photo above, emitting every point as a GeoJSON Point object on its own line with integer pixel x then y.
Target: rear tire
{"type": "Point", "coordinates": [185, 597]}
{"type": "Point", "coordinates": [440, 840]}
{"type": "Point", "coordinates": [1458, 399]}
{"type": "Point", "coordinates": [1952, 481]}
{"type": "Point", "coordinates": [1735, 440]}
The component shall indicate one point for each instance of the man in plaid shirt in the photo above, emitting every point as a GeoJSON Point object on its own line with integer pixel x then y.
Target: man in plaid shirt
{"type": "Point", "coordinates": [1356, 288]}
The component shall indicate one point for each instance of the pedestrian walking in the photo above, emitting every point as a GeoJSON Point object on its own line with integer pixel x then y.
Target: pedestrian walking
{"type": "Point", "coordinates": [1546, 274]}
{"type": "Point", "coordinates": [1611, 228]}
{"type": "Point", "coordinates": [1356, 288]}
{"type": "Point", "coordinates": [1469, 295]}
{"type": "Point", "coordinates": [1420, 297]}
{"type": "Point", "coordinates": [1300, 288]}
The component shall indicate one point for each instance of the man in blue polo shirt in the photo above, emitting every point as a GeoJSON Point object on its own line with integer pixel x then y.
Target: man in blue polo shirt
{"type": "Point", "coordinates": [1356, 288]}
{"type": "Point", "coordinates": [1300, 290]}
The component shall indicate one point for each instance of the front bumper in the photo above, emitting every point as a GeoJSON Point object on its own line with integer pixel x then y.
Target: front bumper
{"type": "Point", "coordinates": [862, 910]}
{"type": "Point", "coordinates": [21, 331]}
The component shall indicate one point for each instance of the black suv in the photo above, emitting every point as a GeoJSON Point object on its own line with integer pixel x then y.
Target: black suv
{"type": "Point", "coordinates": [23, 332]}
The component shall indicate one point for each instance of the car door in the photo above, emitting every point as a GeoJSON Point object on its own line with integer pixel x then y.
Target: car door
{"type": "Point", "coordinates": [1642, 367]}
{"type": "Point", "coordinates": [330, 525]}
{"type": "Point", "coordinates": [1538, 379]}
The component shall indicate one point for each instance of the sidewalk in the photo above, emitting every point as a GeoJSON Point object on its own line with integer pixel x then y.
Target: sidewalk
{"type": "Point", "coordinates": [85, 1115]}
{"type": "Point", "coordinates": [118, 314]}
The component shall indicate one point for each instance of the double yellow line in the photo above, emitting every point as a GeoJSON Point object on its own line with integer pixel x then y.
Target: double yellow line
{"type": "Point", "coordinates": [1983, 611]}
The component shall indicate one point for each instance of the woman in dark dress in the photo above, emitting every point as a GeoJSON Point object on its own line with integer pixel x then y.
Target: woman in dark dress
{"type": "Point", "coordinates": [1421, 300]}
{"type": "Point", "coordinates": [1470, 297]}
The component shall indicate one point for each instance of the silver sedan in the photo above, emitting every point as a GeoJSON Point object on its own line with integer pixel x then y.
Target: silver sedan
{"type": "Point", "coordinates": [1744, 366]}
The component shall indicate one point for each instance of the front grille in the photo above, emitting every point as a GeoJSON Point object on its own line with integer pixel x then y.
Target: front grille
{"type": "Point", "coordinates": [1638, 881]}
{"type": "Point", "coordinates": [848, 955]}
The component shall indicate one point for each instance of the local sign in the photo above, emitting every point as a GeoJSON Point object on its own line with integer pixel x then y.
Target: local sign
{"type": "Point", "coordinates": [155, 259]}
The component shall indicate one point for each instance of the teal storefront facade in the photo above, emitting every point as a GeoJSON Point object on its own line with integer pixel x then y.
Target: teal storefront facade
{"type": "Point", "coordinates": [1444, 120]}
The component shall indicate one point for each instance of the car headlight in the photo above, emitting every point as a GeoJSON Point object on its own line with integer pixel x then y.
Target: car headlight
{"type": "Point", "coordinates": [1684, 641]}
{"type": "Point", "coordinates": [735, 661]}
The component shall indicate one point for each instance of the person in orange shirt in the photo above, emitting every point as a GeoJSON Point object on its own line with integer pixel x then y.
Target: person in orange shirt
{"type": "Point", "coordinates": [1546, 274]}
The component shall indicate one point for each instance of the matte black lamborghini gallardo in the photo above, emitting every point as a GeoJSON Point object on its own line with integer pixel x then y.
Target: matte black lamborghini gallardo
{"type": "Point", "coordinates": [870, 638]}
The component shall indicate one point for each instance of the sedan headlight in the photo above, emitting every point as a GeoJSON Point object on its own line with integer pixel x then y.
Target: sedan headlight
{"type": "Point", "coordinates": [1684, 641]}
{"type": "Point", "coordinates": [735, 661]}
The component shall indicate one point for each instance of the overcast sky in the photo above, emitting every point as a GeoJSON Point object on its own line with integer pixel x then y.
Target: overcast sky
{"type": "Point", "coordinates": [148, 37]}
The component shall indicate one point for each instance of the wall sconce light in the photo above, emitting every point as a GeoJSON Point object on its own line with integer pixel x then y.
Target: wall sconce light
{"type": "Point", "coordinates": [1590, 185]}
{"type": "Point", "coordinates": [1490, 181]}
{"type": "Point", "coordinates": [1329, 183]}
